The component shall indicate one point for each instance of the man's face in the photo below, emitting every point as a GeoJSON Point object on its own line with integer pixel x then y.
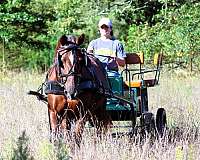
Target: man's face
{"type": "Point", "coordinates": [105, 30]}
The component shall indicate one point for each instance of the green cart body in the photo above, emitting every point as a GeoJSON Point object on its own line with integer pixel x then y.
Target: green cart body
{"type": "Point", "coordinates": [130, 100]}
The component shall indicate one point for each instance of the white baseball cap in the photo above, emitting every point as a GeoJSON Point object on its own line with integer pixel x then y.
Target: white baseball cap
{"type": "Point", "coordinates": [105, 21]}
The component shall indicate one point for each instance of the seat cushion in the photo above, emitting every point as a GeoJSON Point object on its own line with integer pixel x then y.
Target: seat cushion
{"type": "Point", "coordinates": [138, 83]}
{"type": "Point", "coordinates": [134, 84]}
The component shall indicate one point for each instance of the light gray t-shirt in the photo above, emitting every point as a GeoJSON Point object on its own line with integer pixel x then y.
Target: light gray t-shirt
{"type": "Point", "coordinates": [105, 49]}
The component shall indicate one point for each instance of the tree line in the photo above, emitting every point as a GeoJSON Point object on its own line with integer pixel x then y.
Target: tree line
{"type": "Point", "coordinates": [29, 29]}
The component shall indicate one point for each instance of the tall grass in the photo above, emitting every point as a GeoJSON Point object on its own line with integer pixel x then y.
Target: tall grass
{"type": "Point", "coordinates": [24, 116]}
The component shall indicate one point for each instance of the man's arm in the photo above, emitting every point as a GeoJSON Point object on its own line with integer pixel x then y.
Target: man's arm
{"type": "Point", "coordinates": [90, 48]}
{"type": "Point", "coordinates": [120, 59]}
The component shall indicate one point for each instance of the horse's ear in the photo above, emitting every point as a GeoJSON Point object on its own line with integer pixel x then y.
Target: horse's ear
{"type": "Point", "coordinates": [80, 39]}
{"type": "Point", "coordinates": [63, 40]}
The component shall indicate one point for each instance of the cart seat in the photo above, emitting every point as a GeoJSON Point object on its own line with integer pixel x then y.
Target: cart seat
{"type": "Point", "coordinates": [133, 84]}
{"type": "Point", "coordinates": [142, 80]}
{"type": "Point", "coordinates": [138, 83]}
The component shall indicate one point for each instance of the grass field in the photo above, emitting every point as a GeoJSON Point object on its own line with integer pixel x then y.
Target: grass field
{"type": "Point", "coordinates": [24, 124]}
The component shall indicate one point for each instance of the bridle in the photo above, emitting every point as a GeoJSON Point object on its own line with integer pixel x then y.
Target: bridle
{"type": "Point", "coordinates": [73, 48]}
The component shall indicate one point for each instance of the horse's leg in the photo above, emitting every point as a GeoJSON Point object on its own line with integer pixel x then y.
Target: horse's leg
{"type": "Point", "coordinates": [53, 124]}
{"type": "Point", "coordinates": [50, 128]}
{"type": "Point", "coordinates": [64, 124]}
{"type": "Point", "coordinates": [56, 105]}
{"type": "Point", "coordinates": [66, 128]}
{"type": "Point", "coordinates": [79, 127]}
{"type": "Point", "coordinates": [103, 120]}
{"type": "Point", "coordinates": [80, 120]}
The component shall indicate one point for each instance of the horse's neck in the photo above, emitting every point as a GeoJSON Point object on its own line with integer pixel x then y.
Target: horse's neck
{"type": "Point", "coordinates": [52, 73]}
{"type": "Point", "coordinates": [97, 70]}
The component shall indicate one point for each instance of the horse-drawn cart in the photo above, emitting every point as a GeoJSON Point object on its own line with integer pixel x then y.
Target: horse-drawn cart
{"type": "Point", "coordinates": [77, 90]}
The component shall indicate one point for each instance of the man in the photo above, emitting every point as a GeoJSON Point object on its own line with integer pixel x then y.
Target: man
{"type": "Point", "coordinates": [107, 49]}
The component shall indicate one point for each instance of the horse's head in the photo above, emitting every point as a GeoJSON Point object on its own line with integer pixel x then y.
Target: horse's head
{"type": "Point", "coordinates": [70, 58]}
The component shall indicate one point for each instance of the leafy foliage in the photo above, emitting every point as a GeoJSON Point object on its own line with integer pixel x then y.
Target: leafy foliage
{"type": "Point", "coordinates": [176, 35]}
{"type": "Point", "coordinates": [29, 29]}
{"type": "Point", "coordinates": [23, 25]}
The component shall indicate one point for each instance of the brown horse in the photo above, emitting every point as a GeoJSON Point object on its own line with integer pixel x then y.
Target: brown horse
{"type": "Point", "coordinates": [77, 88]}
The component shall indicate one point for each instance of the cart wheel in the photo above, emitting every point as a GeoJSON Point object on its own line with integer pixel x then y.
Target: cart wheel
{"type": "Point", "coordinates": [133, 119]}
{"type": "Point", "coordinates": [133, 124]}
{"type": "Point", "coordinates": [148, 122]}
{"type": "Point", "coordinates": [161, 121]}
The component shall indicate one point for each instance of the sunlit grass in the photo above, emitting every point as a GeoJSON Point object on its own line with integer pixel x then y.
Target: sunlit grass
{"type": "Point", "coordinates": [178, 94]}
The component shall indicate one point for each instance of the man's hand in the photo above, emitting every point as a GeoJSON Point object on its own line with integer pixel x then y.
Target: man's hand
{"type": "Point", "coordinates": [89, 51]}
{"type": "Point", "coordinates": [120, 62]}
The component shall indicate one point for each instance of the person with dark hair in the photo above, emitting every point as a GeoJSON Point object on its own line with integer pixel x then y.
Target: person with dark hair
{"type": "Point", "coordinates": [108, 49]}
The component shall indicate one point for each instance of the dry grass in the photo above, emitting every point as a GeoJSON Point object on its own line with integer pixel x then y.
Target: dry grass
{"type": "Point", "coordinates": [19, 112]}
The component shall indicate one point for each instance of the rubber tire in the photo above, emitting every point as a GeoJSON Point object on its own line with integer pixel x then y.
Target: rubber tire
{"type": "Point", "coordinates": [161, 121]}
